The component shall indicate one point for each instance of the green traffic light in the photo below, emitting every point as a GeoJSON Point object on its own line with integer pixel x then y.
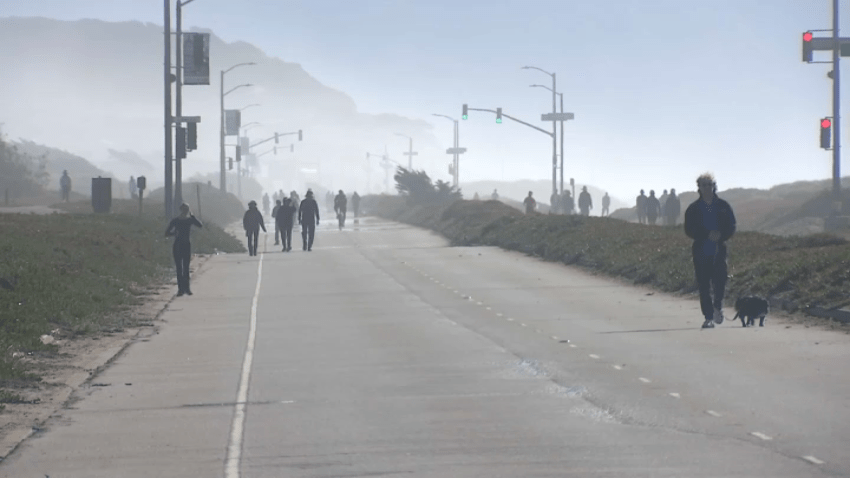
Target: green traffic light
{"type": "Point", "coordinates": [499, 120]}
{"type": "Point", "coordinates": [465, 116]}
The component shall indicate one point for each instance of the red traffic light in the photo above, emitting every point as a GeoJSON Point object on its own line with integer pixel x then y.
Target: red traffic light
{"type": "Point", "coordinates": [825, 123]}
{"type": "Point", "coordinates": [807, 36]}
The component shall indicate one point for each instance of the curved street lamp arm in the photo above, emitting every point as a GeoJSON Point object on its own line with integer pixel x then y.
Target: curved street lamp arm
{"type": "Point", "coordinates": [444, 116]}
{"type": "Point", "coordinates": [238, 64]}
{"type": "Point", "coordinates": [535, 68]}
{"type": "Point", "coordinates": [236, 87]}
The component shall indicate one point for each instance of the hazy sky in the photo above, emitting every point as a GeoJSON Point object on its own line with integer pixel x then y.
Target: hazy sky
{"type": "Point", "coordinates": [662, 90]}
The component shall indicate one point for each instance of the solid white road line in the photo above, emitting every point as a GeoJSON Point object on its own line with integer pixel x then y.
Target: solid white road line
{"type": "Point", "coordinates": [712, 413]}
{"type": "Point", "coordinates": [644, 380]}
{"type": "Point", "coordinates": [813, 459]}
{"type": "Point", "coordinates": [237, 428]}
{"type": "Point", "coordinates": [617, 367]}
{"type": "Point", "coordinates": [593, 356]}
{"type": "Point", "coordinates": [675, 395]}
{"type": "Point", "coordinates": [761, 435]}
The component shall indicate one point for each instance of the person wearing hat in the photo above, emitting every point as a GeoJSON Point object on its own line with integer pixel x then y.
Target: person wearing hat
{"type": "Point", "coordinates": [308, 217]}
{"type": "Point", "coordinates": [252, 221]}
{"type": "Point", "coordinates": [180, 227]}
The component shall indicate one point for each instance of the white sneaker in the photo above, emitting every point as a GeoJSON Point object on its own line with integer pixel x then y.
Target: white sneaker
{"type": "Point", "coordinates": [718, 316]}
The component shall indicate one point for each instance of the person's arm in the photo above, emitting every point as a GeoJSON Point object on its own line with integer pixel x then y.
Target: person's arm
{"type": "Point", "coordinates": [317, 214]}
{"type": "Point", "coordinates": [170, 230]}
{"type": "Point", "coordinates": [300, 211]}
{"type": "Point", "coordinates": [196, 222]}
{"type": "Point", "coordinates": [262, 221]}
{"type": "Point", "coordinates": [731, 225]}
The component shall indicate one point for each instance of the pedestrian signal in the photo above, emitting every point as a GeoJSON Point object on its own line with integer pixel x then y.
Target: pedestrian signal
{"type": "Point", "coordinates": [465, 112]}
{"type": "Point", "coordinates": [499, 115]}
{"type": "Point", "coordinates": [229, 163]}
{"type": "Point", "coordinates": [825, 133]}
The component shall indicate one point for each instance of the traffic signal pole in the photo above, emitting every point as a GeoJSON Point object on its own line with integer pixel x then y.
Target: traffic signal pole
{"type": "Point", "coordinates": [167, 101]}
{"type": "Point", "coordinates": [836, 117]}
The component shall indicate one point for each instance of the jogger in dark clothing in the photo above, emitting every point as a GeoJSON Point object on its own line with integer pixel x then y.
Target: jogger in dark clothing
{"type": "Point", "coordinates": [284, 223]}
{"type": "Point", "coordinates": [252, 221]}
{"type": "Point", "coordinates": [180, 227]}
{"type": "Point", "coordinates": [308, 217]}
{"type": "Point", "coordinates": [710, 222]}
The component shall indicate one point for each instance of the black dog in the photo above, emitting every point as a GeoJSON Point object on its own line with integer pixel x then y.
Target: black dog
{"type": "Point", "coordinates": [749, 308]}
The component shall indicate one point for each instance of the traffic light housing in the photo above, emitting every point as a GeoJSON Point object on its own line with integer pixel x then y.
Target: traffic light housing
{"type": "Point", "coordinates": [238, 154]}
{"type": "Point", "coordinates": [807, 46]}
{"type": "Point", "coordinates": [276, 141]}
{"type": "Point", "coordinates": [229, 162]}
{"type": "Point", "coordinates": [451, 169]}
{"type": "Point", "coordinates": [192, 136]}
{"type": "Point", "coordinates": [499, 115]}
{"type": "Point", "coordinates": [180, 142]}
{"type": "Point", "coordinates": [465, 114]}
{"type": "Point", "coordinates": [300, 136]}
{"type": "Point", "coordinates": [825, 133]}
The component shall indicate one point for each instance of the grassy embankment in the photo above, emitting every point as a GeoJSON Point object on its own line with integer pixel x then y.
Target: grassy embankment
{"type": "Point", "coordinates": [81, 274]}
{"type": "Point", "coordinates": [799, 272]}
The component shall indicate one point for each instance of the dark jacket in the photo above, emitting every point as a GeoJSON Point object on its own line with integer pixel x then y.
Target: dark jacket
{"type": "Point", "coordinates": [253, 220]}
{"type": "Point", "coordinates": [285, 215]}
{"type": "Point", "coordinates": [308, 210]}
{"type": "Point", "coordinates": [180, 227]}
{"type": "Point", "coordinates": [672, 207]}
{"type": "Point", "coordinates": [695, 229]}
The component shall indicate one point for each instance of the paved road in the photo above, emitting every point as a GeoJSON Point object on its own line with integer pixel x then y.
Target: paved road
{"type": "Point", "coordinates": [386, 353]}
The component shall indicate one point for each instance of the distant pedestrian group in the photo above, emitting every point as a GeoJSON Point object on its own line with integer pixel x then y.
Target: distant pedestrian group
{"type": "Point", "coordinates": [650, 208]}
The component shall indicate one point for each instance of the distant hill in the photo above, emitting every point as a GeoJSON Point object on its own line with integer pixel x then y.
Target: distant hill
{"type": "Point", "coordinates": [95, 88]}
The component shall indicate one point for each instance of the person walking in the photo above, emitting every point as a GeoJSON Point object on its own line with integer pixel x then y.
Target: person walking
{"type": "Point", "coordinates": [663, 201]}
{"type": "Point", "coordinates": [495, 195]}
{"type": "Point", "coordinates": [555, 203]}
{"type": "Point", "coordinates": [606, 204]}
{"type": "Point", "coordinates": [640, 206]}
{"type": "Point", "coordinates": [672, 208]}
{"type": "Point", "coordinates": [266, 203]}
{"type": "Point", "coordinates": [65, 185]}
{"type": "Point", "coordinates": [283, 222]}
{"type": "Point", "coordinates": [355, 203]}
{"type": "Point", "coordinates": [133, 187]}
{"type": "Point", "coordinates": [340, 207]}
{"type": "Point", "coordinates": [653, 208]}
{"type": "Point", "coordinates": [710, 222]}
{"type": "Point", "coordinates": [308, 217]}
{"type": "Point", "coordinates": [568, 205]}
{"type": "Point", "coordinates": [180, 227]}
{"type": "Point", "coordinates": [585, 203]}
{"type": "Point", "coordinates": [278, 203]}
{"type": "Point", "coordinates": [252, 221]}
{"type": "Point", "coordinates": [530, 203]}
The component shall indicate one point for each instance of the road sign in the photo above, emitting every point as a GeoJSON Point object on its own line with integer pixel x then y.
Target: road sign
{"type": "Point", "coordinates": [557, 116]}
{"type": "Point", "coordinates": [455, 150]}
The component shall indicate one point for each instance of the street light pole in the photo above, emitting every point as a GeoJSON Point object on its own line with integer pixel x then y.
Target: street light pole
{"type": "Point", "coordinates": [167, 102]}
{"type": "Point", "coordinates": [562, 134]}
{"type": "Point", "coordinates": [223, 177]}
{"type": "Point", "coordinates": [410, 154]}
{"type": "Point", "coordinates": [554, 129]}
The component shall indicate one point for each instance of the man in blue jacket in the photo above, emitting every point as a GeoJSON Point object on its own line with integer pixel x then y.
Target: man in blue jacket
{"type": "Point", "coordinates": [710, 222]}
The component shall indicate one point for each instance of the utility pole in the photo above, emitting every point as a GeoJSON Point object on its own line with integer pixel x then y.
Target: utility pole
{"type": "Point", "coordinates": [167, 65]}
{"type": "Point", "coordinates": [554, 139]}
{"type": "Point", "coordinates": [178, 107]}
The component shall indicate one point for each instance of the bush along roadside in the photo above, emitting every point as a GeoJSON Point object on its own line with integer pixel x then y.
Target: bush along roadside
{"type": "Point", "coordinates": [809, 273]}
{"type": "Point", "coordinates": [79, 274]}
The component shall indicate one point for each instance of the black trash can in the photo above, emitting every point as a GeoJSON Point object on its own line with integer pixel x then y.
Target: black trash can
{"type": "Point", "coordinates": [101, 194]}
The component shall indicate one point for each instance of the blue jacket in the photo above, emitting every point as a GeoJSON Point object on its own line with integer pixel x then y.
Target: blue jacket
{"type": "Point", "coordinates": [695, 229]}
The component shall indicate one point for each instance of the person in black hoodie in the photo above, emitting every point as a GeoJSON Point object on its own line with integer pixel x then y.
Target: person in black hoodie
{"type": "Point", "coordinates": [252, 221]}
{"type": "Point", "coordinates": [180, 227]}
{"type": "Point", "coordinates": [285, 213]}
{"type": "Point", "coordinates": [710, 222]}
{"type": "Point", "coordinates": [308, 217]}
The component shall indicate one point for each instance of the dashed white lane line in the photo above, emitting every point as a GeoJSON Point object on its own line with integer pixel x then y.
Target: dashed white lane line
{"type": "Point", "coordinates": [524, 325]}
{"type": "Point", "coordinates": [675, 395]}
{"type": "Point", "coordinates": [572, 346]}
{"type": "Point", "coordinates": [554, 337]}
{"type": "Point", "coordinates": [713, 413]}
{"type": "Point", "coordinates": [499, 314]}
{"type": "Point", "coordinates": [617, 367]}
{"type": "Point", "coordinates": [593, 356]}
{"type": "Point", "coordinates": [761, 435]}
{"type": "Point", "coordinates": [479, 303]}
{"type": "Point", "coordinates": [509, 319]}
{"type": "Point", "coordinates": [813, 459]}
{"type": "Point", "coordinates": [644, 380]}
{"type": "Point", "coordinates": [488, 308]}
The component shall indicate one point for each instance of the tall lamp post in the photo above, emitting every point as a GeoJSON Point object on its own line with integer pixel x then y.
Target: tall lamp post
{"type": "Point", "coordinates": [178, 108]}
{"type": "Point", "coordinates": [455, 151]}
{"type": "Point", "coordinates": [410, 154]}
{"type": "Point", "coordinates": [562, 132]}
{"type": "Point", "coordinates": [168, 173]}
{"type": "Point", "coordinates": [223, 177]}
{"type": "Point", "coordinates": [554, 129]}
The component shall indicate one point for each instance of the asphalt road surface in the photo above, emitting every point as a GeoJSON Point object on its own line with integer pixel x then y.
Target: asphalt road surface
{"type": "Point", "coordinates": [384, 352]}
